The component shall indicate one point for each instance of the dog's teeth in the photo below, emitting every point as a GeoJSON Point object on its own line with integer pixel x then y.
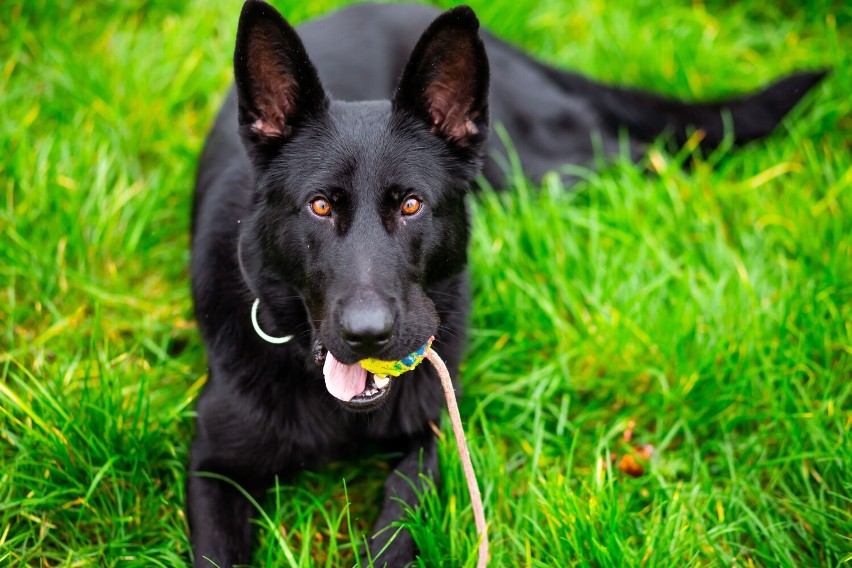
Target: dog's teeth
{"type": "Point", "coordinates": [381, 382]}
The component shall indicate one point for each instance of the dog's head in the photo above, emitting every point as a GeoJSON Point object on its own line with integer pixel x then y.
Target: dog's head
{"type": "Point", "coordinates": [360, 205]}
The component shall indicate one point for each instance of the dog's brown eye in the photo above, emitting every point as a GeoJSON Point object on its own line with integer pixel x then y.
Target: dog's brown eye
{"type": "Point", "coordinates": [321, 207]}
{"type": "Point", "coordinates": [411, 206]}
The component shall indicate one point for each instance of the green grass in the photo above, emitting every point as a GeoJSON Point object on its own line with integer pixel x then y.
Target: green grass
{"type": "Point", "coordinates": [712, 307]}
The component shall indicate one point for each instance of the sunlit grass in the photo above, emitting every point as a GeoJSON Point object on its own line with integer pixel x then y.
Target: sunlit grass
{"type": "Point", "coordinates": [709, 306]}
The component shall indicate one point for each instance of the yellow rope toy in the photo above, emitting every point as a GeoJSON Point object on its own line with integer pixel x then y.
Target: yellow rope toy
{"type": "Point", "coordinates": [383, 369]}
{"type": "Point", "coordinates": [395, 368]}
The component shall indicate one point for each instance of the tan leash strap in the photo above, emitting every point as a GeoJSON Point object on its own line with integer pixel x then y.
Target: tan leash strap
{"type": "Point", "coordinates": [464, 454]}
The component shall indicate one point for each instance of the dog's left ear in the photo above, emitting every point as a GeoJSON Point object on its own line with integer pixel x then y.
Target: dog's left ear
{"type": "Point", "coordinates": [445, 81]}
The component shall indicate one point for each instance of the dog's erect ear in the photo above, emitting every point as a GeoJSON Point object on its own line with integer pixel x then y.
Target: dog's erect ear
{"type": "Point", "coordinates": [445, 81]}
{"type": "Point", "coordinates": [277, 85]}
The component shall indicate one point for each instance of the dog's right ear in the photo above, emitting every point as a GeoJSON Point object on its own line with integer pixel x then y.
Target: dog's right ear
{"type": "Point", "coordinates": [277, 85]}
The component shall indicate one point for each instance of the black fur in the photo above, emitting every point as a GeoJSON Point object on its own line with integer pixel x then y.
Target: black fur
{"type": "Point", "coordinates": [414, 126]}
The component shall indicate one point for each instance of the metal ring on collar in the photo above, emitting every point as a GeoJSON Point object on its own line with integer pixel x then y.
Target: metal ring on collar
{"type": "Point", "coordinates": [260, 332]}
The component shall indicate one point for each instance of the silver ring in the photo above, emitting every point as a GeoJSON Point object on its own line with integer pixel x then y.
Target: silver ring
{"type": "Point", "coordinates": [264, 336]}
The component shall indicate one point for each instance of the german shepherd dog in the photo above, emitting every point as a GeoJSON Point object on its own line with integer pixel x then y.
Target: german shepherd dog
{"type": "Point", "coordinates": [330, 225]}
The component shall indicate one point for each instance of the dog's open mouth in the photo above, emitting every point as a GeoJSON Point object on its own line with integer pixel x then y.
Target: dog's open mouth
{"type": "Point", "coordinates": [376, 390]}
{"type": "Point", "coordinates": [353, 385]}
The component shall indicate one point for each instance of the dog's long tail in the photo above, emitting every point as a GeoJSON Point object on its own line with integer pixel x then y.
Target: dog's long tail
{"type": "Point", "coordinates": [646, 116]}
{"type": "Point", "coordinates": [746, 117]}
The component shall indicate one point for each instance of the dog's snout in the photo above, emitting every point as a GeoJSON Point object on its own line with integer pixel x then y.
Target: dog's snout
{"type": "Point", "coordinates": [366, 323]}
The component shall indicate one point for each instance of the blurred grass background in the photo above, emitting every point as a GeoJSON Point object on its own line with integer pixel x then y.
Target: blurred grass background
{"type": "Point", "coordinates": [710, 308]}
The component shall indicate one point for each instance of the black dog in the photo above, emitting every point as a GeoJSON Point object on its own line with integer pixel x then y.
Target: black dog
{"type": "Point", "coordinates": [344, 225]}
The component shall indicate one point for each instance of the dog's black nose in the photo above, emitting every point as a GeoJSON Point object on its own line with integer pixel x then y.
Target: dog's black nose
{"type": "Point", "coordinates": [366, 324]}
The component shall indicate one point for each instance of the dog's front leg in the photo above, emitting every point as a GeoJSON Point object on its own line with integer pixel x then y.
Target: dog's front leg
{"type": "Point", "coordinates": [219, 518]}
{"type": "Point", "coordinates": [404, 484]}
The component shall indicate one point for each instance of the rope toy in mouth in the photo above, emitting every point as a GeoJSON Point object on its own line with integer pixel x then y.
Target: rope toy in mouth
{"type": "Point", "coordinates": [382, 369]}
{"type": "Point", "coordinates": [395, 368]}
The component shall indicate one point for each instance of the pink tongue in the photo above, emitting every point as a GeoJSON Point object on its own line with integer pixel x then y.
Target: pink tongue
{"type": "Point", "coordinates": [344, 381]}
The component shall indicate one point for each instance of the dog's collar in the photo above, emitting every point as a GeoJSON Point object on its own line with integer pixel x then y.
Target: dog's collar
{"type": "Point", "coordinates": [264, 336]}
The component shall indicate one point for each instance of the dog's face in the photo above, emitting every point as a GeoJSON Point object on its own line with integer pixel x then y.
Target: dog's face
{"type": "Point", "coordinates": [359, 206]}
